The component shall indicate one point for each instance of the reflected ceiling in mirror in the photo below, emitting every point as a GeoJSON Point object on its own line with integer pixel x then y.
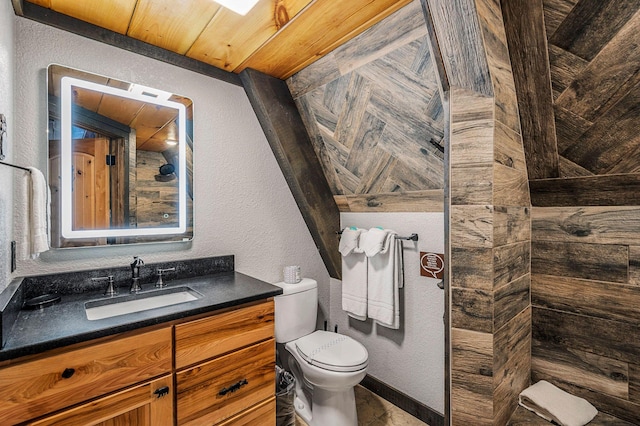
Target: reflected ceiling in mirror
{"type": "Point", "coordinates": [120, 161]}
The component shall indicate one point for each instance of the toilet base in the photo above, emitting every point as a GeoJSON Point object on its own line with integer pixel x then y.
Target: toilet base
{"type": "Point", "coordinates": [329, 408]}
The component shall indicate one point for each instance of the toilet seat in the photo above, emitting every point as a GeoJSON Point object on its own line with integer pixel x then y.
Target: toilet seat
{"type": "Point", "coordinates": [332, 351]}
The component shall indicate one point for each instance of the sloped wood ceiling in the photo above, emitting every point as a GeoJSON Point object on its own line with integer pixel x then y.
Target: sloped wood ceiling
{"type": "Point", "coordinates": [277, 37]}
{"type": "Point", "coordinates": [375, 116]}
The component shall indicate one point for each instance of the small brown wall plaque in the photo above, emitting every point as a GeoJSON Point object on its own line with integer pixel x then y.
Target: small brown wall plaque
{"type": "Point", "coordinates": [432, 265]}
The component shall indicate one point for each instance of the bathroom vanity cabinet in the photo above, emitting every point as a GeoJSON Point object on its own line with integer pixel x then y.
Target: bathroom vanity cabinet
{"type": "Point", "coordinates": [222, 364]}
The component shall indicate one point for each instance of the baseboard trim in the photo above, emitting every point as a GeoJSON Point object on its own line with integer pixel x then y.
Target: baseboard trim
{"type": "Point", "coordinates": [403, 401]}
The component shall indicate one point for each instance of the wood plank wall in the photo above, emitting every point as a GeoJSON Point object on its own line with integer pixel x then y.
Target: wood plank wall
{"type": "Point", "coordinates": [585, 284]}
{"type": "Point", "coordinates": [374, 114]}
{"type": "Point", "coordinates": [489, 216]}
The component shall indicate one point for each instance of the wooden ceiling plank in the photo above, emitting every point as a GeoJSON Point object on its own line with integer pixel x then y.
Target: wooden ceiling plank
{"type": "Point", "coordinates": [229, 38]}
{"type": "Point", "coordinates": [523, 22]}
{"type": "Point", "coordinates": [555, 11]}
{"type": "Point", "coordinates": [319, 29]}
{"type": "Point", "coordinates": [171, 24]}
{"type": "Point", "coordinates": [110, 14]}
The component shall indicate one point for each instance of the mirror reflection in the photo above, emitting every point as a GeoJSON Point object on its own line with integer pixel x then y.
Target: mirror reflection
{"type": "Point", "coordinates": [120, 161]}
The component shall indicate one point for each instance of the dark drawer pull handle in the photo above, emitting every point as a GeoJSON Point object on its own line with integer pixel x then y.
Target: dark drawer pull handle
{"type": "Point", "coordinates": [160, 392]}
{"type": "Point", "coordinates": [68, 372]}
{"type": "Point", "coordinates": [233, 387]}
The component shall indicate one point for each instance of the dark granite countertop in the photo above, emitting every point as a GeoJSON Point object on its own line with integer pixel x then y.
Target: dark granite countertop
{"type": "Point", "coordinates": [65, 323]}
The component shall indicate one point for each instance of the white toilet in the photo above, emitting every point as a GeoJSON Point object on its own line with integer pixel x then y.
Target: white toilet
{"type": "Point", "coordinates": [326, 365]}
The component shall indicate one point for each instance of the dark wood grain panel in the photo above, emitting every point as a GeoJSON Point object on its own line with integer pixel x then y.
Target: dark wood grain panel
{"type": "Point", "coordinates": [476, 191]}
{"type": "Point", "coordinates": [603, 225]}
{"type": "Point", "coordinates": [603, 262]}
{"type": "Point", "coordinates": [471, 226]}
{"type": "Point", "coordinates": [569, 127]}
{"type": "Point", "coordinates": [510, 186]}
{"type": "Point", "coordinates": [413, 201]}
{"type": "Point", "coordinates": [463, 54]}
{"type": "Point", "coordinates": [512, 364]}
{"type": "Point", "coordinates": [581, 368]}
{"type": "Point", "coordinates": [507, 148]}
{"type": "Point", "coordinates": [591, 24]}
{"type": "Point", "coordinates": [510, 262]}
{"type": "Point", "coordinates": [472, 268]}
{"type": "Point", "coordinates": [511, 225]}
{"type": "Point", "coordinates": [611, 339]}
{"type": "Point", "coordinates": [290, 143]}
{"type": "Point", "coordinates": [614, 190]}
{"type": "Point", "coordinates": [471, 377]}
{"type": "Point", "coordinates": [634, 382]}
{"type": "Point", "coordinates": [523, 23]}
{"type": "Point", "coordinates": [634, 265]}
{"type": "Point", "coordinates": [565, 67]}
{"type": "Point", "coordinates": [608, 76]}
{"type": "Point", "coordinates": [472, 309]}
{"type": "Point", "coordinates": [598, 299]}
{"type": "Point", "coordinates": [611, 139]}
{"type": "Point", "coordinates": [555, 11]}
{"type": "Point", "coordinates": [509, 301]}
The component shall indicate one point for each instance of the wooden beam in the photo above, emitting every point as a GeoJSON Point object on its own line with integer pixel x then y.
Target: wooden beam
{"type": "Point", "coordinates": [289, 140]}
{"type": "Point", "coordinates": [93, 32]}
{"type": "Point", "coordinates": [606, 190]}
{"type": "Point", "coordinates": [524, 25]}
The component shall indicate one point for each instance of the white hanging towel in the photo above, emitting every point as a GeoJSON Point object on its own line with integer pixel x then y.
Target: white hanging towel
{"type": "Point", "coordinates": [385, 278]}
{"type": "Point", "coordinates": [39, 213]}
{"type": "Point", "coordinates": [354, 274]}
{"type": "Point", "coordinates": [553, 404]}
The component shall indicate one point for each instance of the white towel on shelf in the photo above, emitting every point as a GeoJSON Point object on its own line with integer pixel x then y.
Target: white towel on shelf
{"type": "Point", "coordinates": [553, 404]}
{"type": "Point", "coordinates": [39, 212]}
{"type": "Point", "coordinates": [385, 278]}
{"type": "Point", "coordinates": [354, 274]}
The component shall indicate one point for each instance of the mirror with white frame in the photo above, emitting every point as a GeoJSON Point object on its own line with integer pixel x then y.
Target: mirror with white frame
{"type": "Point", "coordinates": [120, 161]}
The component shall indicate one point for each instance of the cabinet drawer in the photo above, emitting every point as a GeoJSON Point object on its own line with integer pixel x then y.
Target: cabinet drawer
{"type": "Point", "coordinates": [262, 414]}
{"type": "Point", "coordinates": [37, 387]}
{"type": "Point", "coordinates": [138, 406]}
{"type": "Point", "coordinates": [216, 390]}
{"type": "Point", "coordinates": [212, 336]}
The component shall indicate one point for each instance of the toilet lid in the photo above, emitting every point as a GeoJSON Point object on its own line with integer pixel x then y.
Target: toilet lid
{"type": "Point", "coordinates": [332, 351]}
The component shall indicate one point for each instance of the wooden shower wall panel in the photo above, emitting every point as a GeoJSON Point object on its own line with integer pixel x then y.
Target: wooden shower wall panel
{"type": "Point", "coordinates": [586, 299]}
{"type": "Point", "coordinates": [375, 117]}
{"type": "Point", "coordinates": [594, 57]}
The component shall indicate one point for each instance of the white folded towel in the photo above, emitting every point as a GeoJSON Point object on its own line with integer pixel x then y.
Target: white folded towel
{"type": "Point", "coordinates": [385, 278]}
{"type": "Point", "coordinates": [354, 274]}
{"type": "Point", "coordinates": [372, 243]}
{"type": "Point", "coordinates": [39, 212]}
{"type": "Point", "coordinates": [553, 404]}
{"type": "Point", "coordinates": [349, 240]}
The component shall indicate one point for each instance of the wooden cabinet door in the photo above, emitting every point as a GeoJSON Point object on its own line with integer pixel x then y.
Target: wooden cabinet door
{"type": "Point", "coordinates": [150, 404]}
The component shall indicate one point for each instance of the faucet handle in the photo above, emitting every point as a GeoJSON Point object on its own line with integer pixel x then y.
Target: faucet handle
{"type": "Point", "coordinates": [160, 283]}
{"type": "Point", "coordinates": [111, 290]}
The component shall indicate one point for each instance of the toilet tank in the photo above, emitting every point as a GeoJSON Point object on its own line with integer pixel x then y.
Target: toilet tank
{"type": "Point", "coordinates": [296, 310]}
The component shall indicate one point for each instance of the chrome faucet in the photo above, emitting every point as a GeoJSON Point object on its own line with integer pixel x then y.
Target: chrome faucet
{"type": "Point", "coordinates": [135, 274]}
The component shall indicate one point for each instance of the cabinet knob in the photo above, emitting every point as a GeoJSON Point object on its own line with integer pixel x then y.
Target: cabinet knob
{"type": "Point", "coordinates": [68, 372]}
{"type": "Point", "coordinates": [233, 387]}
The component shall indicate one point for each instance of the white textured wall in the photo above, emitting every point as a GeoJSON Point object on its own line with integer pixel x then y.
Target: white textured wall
{"type": "Point", "coordinates": [243, 205]}
{"type": "Point", "coordinates": [6, 107]}
{"type": "Point", "coordinates": [410, 359]}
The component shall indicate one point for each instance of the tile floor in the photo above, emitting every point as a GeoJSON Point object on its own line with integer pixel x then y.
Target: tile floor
{"type": "Point", "coordinates": [376, 411]}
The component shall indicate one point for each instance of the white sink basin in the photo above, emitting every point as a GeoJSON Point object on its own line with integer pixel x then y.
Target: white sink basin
{"type": "Point", "coordinates": [107, 308]}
